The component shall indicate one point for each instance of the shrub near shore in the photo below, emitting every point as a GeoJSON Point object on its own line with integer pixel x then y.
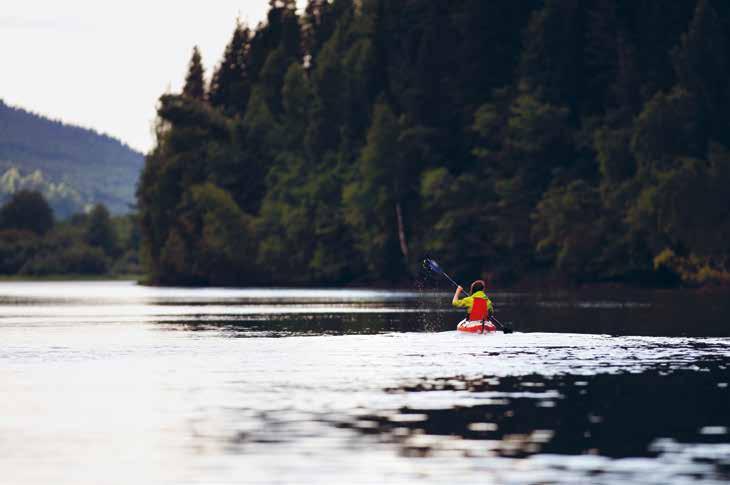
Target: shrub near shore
{"type": "Point", "coordinates": [33, 244]}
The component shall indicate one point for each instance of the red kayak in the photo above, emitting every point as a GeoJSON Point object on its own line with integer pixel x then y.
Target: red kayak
{"type": "Point", "coordinates": [476, 326]}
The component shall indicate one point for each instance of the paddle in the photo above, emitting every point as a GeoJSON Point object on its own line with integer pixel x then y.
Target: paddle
{"type": "Point", "coordinates": [434, 266]}
{"type": "Point", "coordinates": [505, 328]}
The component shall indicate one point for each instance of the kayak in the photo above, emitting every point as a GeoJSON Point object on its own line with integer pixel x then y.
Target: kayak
{"type": "Point", "coordinates": [476, 326]}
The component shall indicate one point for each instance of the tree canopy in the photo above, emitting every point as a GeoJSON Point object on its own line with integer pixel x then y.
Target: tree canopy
{"type": "Point", "coordinates": [585, 141]}
{"type": "Point", "coordinates": [27, 210]}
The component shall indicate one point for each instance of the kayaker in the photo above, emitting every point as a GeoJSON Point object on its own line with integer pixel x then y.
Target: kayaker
{"type": "Point", "coordinates": [478, 305]}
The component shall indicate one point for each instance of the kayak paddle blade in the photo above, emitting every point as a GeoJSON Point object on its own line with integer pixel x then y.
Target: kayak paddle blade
{"type": "Point", "coordinates": [432, 265]}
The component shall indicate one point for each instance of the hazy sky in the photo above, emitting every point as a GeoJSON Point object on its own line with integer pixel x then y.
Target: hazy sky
{"type": "Point", "coordinates": [104, 64]}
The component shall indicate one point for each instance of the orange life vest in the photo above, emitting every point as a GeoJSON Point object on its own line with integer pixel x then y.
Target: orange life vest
{"type": "Point", "coordinates": [479, 310]}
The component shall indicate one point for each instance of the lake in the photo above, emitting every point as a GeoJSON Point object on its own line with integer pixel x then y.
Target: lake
{"type": "Point", "coordinates": [115, 383]}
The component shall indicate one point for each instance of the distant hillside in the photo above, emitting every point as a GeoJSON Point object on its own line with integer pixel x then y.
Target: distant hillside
{"type": "Point", "coordinates": [74, 167]}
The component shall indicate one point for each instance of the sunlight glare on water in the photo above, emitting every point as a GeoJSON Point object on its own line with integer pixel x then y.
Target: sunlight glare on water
{"type": "Point", "coordinates": [118, 383]}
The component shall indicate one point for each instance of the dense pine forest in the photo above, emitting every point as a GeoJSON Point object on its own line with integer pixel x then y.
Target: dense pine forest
{"type": "Point", "coordinates": [531, 142]}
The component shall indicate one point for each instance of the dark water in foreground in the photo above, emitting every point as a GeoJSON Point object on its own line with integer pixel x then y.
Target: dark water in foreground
{"type": "Point", "coordinates": [117, 384]}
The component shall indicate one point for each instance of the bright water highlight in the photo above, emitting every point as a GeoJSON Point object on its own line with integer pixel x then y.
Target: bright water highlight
{"type": "Point", "coordinates": [117, 383]}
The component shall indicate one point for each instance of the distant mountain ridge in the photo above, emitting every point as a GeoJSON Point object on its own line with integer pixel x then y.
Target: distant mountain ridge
{"type": "Point", "coordinates": [74, 167]}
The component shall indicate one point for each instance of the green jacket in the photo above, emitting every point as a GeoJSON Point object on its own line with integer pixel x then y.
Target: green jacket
{"type": "Point", "coordinates": [468, 302]}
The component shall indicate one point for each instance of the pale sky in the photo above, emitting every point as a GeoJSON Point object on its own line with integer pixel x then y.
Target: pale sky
{"type": "Point", "coordinates": [103, 64]}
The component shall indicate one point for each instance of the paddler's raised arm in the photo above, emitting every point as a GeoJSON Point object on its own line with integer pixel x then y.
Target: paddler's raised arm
{"type": "Point", "coordinates": [454, 301]}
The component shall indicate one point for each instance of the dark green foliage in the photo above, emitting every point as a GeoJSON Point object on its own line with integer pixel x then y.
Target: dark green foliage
{"type": "Point", "coordinates": [691, 204]}
{"type": "Point", "coordinates": [27, 210]}
{"type": "Point", "coordinates": [319, 22]}
{"type": "Point", "coordinates": [559, 138]}
{"type": "Point", "coordinates": [461, 209]}
{"type": "Point", "coordinates": [194, 81]}
{"type": "Point", "coordinates": [551, 64]}
{"type": "Point", "coordinates": [571, 228]}
{"type": "Point", "coordinates": [702, 67]}
{"type": "Point", "coordinates": [100, 232]}
{"type": "Point", "coordinates": [230, 86]}
{"type": "Point", "coordinates": [30, 244]}
{"type": "Point", "coordinates": [17, 247]}
{"type": "Point", "coordinates": [669, 126]}
{"type": "Point", "coordinates": [212, 243]}
{"type": "Point", "coordinates": [73, 260]}
{"type": "Point", "coordinates": [374, 202]}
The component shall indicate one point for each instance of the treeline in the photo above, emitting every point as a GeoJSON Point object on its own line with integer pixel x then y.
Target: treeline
{"type": "Point", "coordinates": [72, 166]}
{"type": "Point", "coordinates": [581, 141]}
{"type": "Point", "coordinates": [33, 243]}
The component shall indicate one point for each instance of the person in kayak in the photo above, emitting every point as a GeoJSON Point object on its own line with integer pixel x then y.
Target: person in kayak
{"type": "Point", "coordinates": [478, 305]}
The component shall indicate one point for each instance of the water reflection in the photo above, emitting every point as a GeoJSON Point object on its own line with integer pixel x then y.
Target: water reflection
{"type": "Point", "coordinates": [612, 312]}
{"type": "Point", "coordinates": [613, 415]}
{"type": "Point", "coordinates": [291, 386]}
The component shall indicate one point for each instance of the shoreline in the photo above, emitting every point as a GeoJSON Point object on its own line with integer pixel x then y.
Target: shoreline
{"type": "Point", "coordinates": [140, 280]}
{"type": "Point", "coordinates": [69, 277]}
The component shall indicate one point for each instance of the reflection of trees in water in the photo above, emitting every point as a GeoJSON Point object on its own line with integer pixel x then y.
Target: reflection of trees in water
{"type": "Point", "coordinates": [294, 325]}
{"type": "Point", "coordinates": [670, 313]}
{"type": "Point", "coordinates": [619, 415]}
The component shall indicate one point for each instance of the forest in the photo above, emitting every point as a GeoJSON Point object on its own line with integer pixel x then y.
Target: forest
{"type": "Point", "coordinates": [554, 142]}
{"type": "Point", "coordinates": [33, 243]}
{"type": "Point", "coordinates": [75, 168]}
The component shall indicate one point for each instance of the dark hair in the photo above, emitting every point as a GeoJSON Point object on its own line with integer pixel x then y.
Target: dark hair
{"type": "Point", "coordinates": [478, 285]}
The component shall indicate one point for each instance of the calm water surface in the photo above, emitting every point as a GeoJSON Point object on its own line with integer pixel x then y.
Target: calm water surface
{"type": "Point", "coordinates": [113, 383]}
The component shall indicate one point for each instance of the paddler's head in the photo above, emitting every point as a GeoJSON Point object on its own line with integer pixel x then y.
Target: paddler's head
{"type": "Point", "coordinates": [478, 285]}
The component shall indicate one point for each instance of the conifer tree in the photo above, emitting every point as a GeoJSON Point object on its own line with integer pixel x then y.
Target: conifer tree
{"type": "Point", "coordinates": [27, 210]}
{"type": "Point", "coordinates": [100, 231]}
{"type": "Point", "coordinates": [625, 93]}
{"type": "Point", "coordinates": [601, 51]}
{"type": "Point", "coordinates": [374, 200]}
{"type": "Point", "coordinates": [318, 24]}
{"type": "Point", "coordinates": [281, 30]}
{"type": "Point", "coordinates": [489, 43]}
{"type": "Point", "coordinates": [516, 137]}
{"type": "Point", "coordinates": [703, 69]}
{"type": "Point", "coordinates": [657, 28]}
{"type": "Point", "coordinates": [550, 66]}
{"type": "Point", "coordinates": [296, 97]}
{"type": "Point", "coordinates": [194, 81]}
{"type": "Point", "coordinates": [290, 38]}
{"type": "Point", "coordinates": [328, 84]}
{"type": "Point", "coordinates": [230, 86]}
